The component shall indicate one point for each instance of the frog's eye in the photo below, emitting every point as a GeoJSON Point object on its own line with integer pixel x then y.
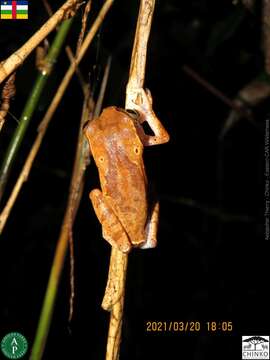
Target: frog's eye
{"type": "Point", "coordinates": [85, 125]}
{"type": "Point", "coordinates": [101, 159]}
{"type": "Point", "coordinates": [133, 113]}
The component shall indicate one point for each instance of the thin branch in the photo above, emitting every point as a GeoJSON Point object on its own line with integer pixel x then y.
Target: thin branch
{"type": "Point", "coordinates": [17, 58]}
{"type": "Point", "coordinates": [208, 210]}
{"type": "Point", "coordinates": [103, 88]}
{"type": "Point", "coordinates": [63, 86]}
{"type": "Point", "coordinates": [73, 202]}
{"type": "Point", "coordinates": [48, 8]}
{"type": "Point", "coordinates": [266, 33]}
{"type": "Point", "coordinates": [84, 23]}
{"type": "Point", "coordinates": [252, 94]}
{"type": "Point", "coordinates": [49, 114]}
{"type": "Point", "coordinates": [213, 90]}
{"type": "Point", "coordinates": [75, 192]}
{"type": "Point", "coordinates": [8, 93]}
{"type": "Point", "coordinates": [31, 104]}
{"type": "Point", "coordinates": [69, 52]}
{"type": "Point", "coordinates": [65, 238]}
{"type": "Point", "coordinates": [115, 290]}
{"type": "Point", "coordinates": [68, 76]}
{"type": "Point", "coordinates": [81, 164]}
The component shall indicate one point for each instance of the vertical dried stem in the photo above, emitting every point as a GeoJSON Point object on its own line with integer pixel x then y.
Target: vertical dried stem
{"type": "Point", "coordinates": [74, 198]}
{"type": "Point", "coordinates": [84, 23]}
{"type": "Point", "coordinates": [266, 33]}
{"type": "Point", "coordinates": [69, 52]}
{"type": "Point", "coordinates": [138, 58]}
{"type": "Point", "coordinates": [115, 291]}
{"type": "Point", "coordinates": [51, 110]}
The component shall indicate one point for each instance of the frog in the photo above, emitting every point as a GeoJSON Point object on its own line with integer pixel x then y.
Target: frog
{"type": "Point", "coordinates": [117, 139]}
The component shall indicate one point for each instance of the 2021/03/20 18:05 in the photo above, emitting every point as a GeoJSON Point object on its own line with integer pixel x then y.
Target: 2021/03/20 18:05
{"type": "Point", "coordinates": [188, 326]}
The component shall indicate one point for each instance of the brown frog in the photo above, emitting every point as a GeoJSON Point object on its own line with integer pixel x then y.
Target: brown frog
{"type": "Point", "coordinates": [116, 140]}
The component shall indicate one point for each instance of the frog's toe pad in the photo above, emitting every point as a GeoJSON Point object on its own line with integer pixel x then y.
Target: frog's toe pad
{"type": "Point", "coordinates": [118, 239]}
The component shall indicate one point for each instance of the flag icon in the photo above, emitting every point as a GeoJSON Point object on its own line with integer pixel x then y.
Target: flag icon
{"type": "Point", "coordinates": [13, 9]}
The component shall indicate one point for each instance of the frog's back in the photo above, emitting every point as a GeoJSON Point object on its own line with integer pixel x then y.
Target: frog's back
{"type": "Point", "coordinates": [117, 151]}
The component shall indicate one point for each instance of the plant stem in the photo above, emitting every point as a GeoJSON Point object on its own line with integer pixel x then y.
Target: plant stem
{"type": "Point", "coordinates": [75, 193]}
{"type": "Point", "coordinates": [69, 52]}
{"type": "Point", "coordinates": [115, 290]}
{"type": "Point", "coordinates": [32, 103]}
{"type": "Point", "coordinates": [215, 91]}
{"type": "Point", "coordinates": [51, 110]}
{"type": "Point", "coordinates": [266, 35]}
{"type": "Point", "coordinates": [73, 201]}
{"type": "Point", "coordinates": [17, 58]}
{"type": "Point", "coordinates": [8, 93]}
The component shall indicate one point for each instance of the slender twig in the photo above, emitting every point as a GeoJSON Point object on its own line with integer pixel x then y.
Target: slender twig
{"type": "Point", "coordinates": [266, 33]}
{"type": "Point", "coordinates": [115, 291]}
{"type": "Point", "coordinates": [51, 110]}
{"type": "Point", "coordinates": [82, 82]}
{"type": "Point", "coordinates": [62, 244]}
{"type": "Point", "coordinates": [84, 23]}
{"type": "Point", "coordinates": [69, 52]}
{"type": "Point", "coordinates": [73, 66]}
{"type": "Point", "coordinates": [47, 7]}
{"type": "Point", "coordinates": [32, 103]}
{"type": "Point", "coordinates": [103, 88]}
{"type": "Point", "coordinates": [17, 58]}
{"type": "Point", "coordinates": [213, 90]}
{"type": "Point", "coordinates": [65, 238]}
{"type": "Point", "coordinates": [212, 211]}
{"type": "Point", "coordinates": [68, 76]}
{"type": "Point", "coordinates": [81, 165]}
{"type": "Point", "coordinates": [248, 97]}
{"type": "Point", "coordinates": [75, 192]}
{"type": "Point", "coordinates": [258, 89]}
{"type": "Point", "coordinates": [8, 93]}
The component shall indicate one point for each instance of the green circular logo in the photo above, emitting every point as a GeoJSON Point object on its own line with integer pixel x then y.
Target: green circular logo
{"type": "Point", "coordinates": [14, 345]}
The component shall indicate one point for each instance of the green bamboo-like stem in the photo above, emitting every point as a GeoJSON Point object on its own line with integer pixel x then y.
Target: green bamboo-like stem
{"type": "Point", "coordinates": [32, 103]}
{"type": "Point", "coordinates": [50, 112]}
{"type": "Point", "coordinates": [75, 193]}
{"type": "Point", "coordinates": [73, 202]}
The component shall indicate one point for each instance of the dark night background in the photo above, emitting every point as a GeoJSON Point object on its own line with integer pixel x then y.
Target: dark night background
{"type": "Point", "coordinates": [209, 264]}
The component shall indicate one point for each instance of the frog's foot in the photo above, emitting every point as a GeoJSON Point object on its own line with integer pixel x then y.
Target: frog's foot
{"type": "Point", "coordinates": [151, 229]}
{"type": "Point", "coordinates": [112, 229]}
{"type": "Point", "coordinates": [143, 106]}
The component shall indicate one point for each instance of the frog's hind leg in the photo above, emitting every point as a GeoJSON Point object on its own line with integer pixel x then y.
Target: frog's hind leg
{"type": "Point", "coordinates": [112, 229]}
{"type": "Point", "coordinates": [151, 229]}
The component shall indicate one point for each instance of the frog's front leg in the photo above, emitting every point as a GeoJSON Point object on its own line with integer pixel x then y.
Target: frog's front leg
{"type": "Point", "coordinates": [147, 114]}
{"type": "Point", "coordinates": [151, 229]}
{"type": "Point", "coordinates": [112, 229]}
